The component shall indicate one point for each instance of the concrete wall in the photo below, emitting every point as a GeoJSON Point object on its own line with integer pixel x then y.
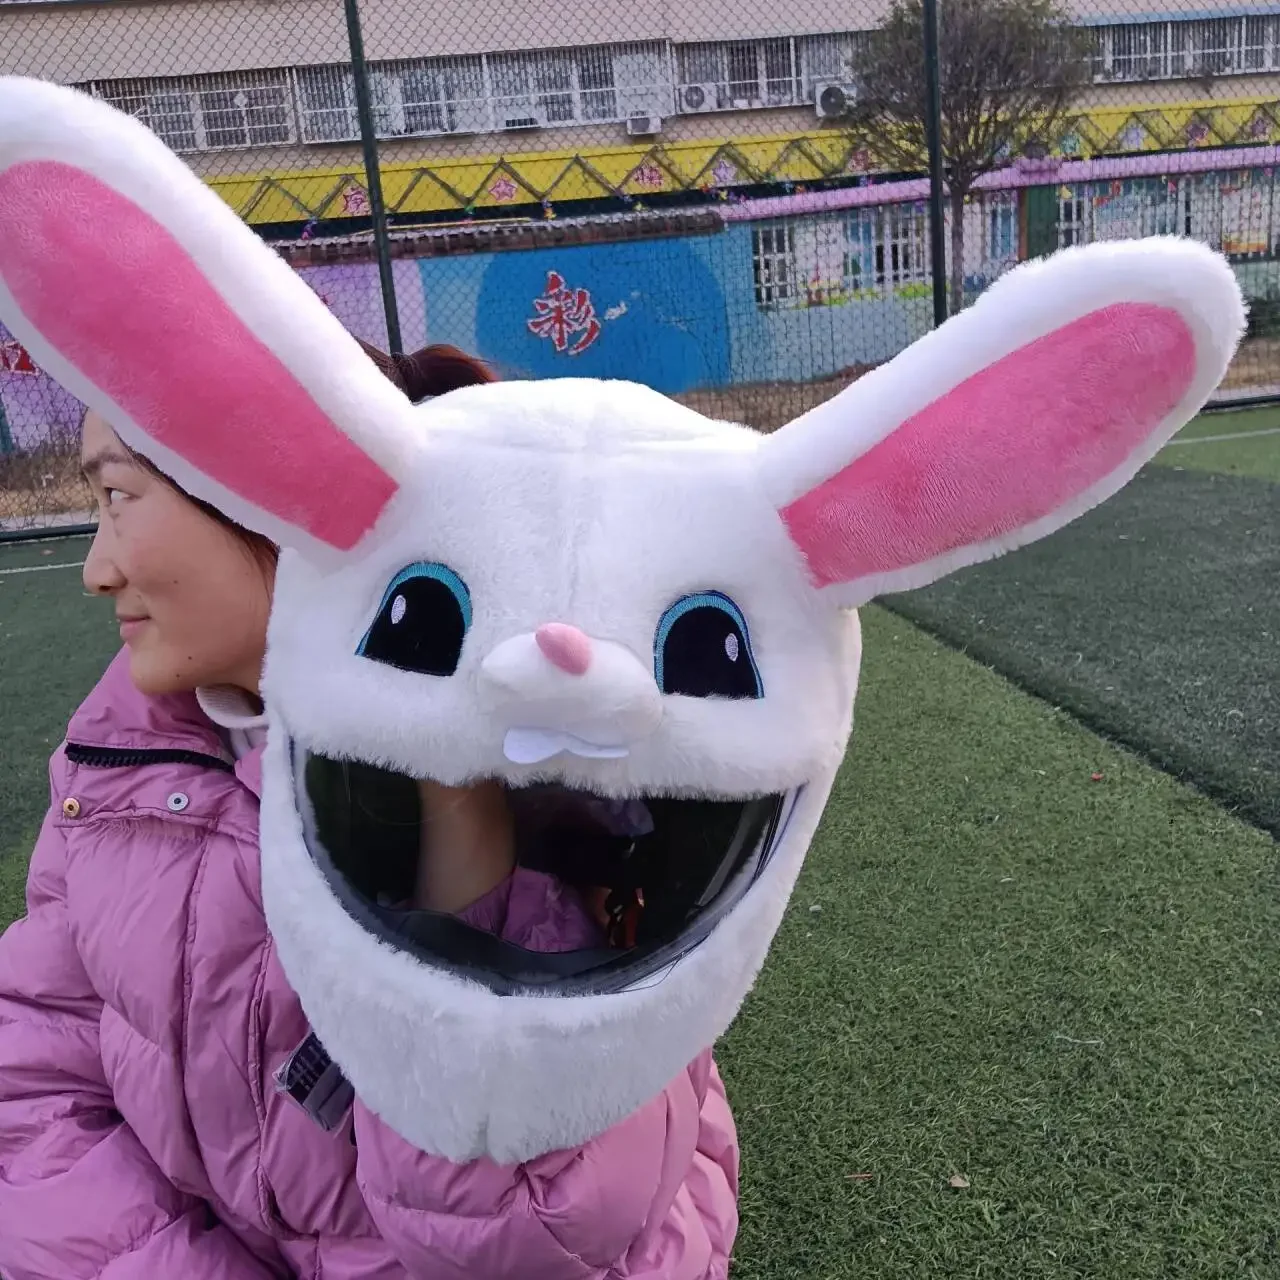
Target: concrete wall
{"type": "Point", "coordinates": [71, 43]}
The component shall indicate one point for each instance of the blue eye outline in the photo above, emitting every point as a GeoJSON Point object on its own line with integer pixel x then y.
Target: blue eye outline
{"type": "Point", "coordinates": [702, 600]}
{"type": "Point", "coordinates": [421, 569]}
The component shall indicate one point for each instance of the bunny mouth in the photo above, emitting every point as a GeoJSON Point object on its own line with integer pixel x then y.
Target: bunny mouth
{"type": "Point", "coordinates": [657, 874]}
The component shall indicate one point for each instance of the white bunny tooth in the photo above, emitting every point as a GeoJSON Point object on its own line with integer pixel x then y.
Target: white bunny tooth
{"type": "Point", "coordinates": [533, 746]}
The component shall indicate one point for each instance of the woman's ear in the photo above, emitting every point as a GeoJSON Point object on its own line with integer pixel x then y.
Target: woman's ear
{"type": "Point", "coordinates": [141, 292]}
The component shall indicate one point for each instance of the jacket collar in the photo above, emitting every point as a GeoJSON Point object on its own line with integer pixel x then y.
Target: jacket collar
{"type": "Point", "coordinates": [118, 717]}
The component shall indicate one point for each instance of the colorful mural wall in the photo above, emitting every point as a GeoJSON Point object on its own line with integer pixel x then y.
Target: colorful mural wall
{"type": "Point", "coordinates": [787, 291]}
{"type": "Point", "coordinates": [353, 293]}
{"type": "Point", "coordinates": [597, 311]}
{"type": "Point", "coordinates": [677, 314]}
{"type": "Point", "coordinates": [34, 410]}
{"type": "Point", "coordinates": [716, 167]}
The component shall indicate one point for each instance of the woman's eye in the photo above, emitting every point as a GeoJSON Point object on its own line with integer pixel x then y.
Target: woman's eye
{"type": "Point", "coordinates": [702, 649]}
{"type": "Point", "coordinates": [115, 494]}
{"type": "Point", "coordinates": [422, 621]}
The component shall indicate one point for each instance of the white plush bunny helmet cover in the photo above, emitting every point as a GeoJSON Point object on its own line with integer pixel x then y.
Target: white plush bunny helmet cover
{"type": "Point", "coordinates": [575, 524]}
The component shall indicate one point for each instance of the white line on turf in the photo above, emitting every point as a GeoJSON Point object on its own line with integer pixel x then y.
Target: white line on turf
{"type": "Point", "coordinates": [1230, 435]}
{"type": "Point", "coordinates": [42, 568]}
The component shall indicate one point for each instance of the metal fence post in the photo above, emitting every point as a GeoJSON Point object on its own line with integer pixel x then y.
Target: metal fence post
{"type": "Point", "coordinates": [933, 134]}
{"type": "Point", "coordinates": [6, 436]}
{"type": "Point", "coordinates": [373, 175]}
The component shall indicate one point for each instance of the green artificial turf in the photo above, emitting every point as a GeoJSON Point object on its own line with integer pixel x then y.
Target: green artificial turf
{"type": "Point", "coordinates": [54, 645]}
{"type": "Point", "coordinates": [1155, 619]}
{"type": "Point", "coordinates": [1063, 990]}
{"type": "Point", "coordinates": [1037, 964]}
{"type": "Point", "coordinates": [1243, 442]}
{"type": "Point", "coordinates": [1223, 421]}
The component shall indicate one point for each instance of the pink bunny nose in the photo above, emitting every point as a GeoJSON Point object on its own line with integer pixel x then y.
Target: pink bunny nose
{"type": "Point", "coordinates": [566, 646]}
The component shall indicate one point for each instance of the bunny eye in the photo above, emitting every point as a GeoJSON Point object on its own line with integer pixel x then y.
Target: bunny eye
{"type": "Point", "coordinates": [702, 649]}
{"type": "Point", "coordinates": [422, 621]}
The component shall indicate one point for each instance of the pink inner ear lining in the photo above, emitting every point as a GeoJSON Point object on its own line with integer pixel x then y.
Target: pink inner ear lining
{"type": "Point", "coordinates": [118, 296]}
{"type": "Point", "coordinates": [1005, 448]}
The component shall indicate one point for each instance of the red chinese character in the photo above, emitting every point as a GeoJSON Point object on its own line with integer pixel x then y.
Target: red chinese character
{"type": "Point", "coordinates": [14, 358]}
{"type": "Point", "coordinates": [562, 312]}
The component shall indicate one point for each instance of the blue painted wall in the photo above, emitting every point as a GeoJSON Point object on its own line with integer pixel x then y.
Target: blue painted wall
{"type": "Point", "coordinates": [677, 314]}
{"type": "Point", "coordinates": [798, 345]}
{"type": "Point", "coordinates": [659, 310]}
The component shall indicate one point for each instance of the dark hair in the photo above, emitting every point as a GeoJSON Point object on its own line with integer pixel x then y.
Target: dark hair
{"type": "Point", "coordinates": [430, 371]}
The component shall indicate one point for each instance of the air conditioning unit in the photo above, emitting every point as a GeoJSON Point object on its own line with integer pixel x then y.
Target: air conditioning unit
{"type": "Point", "coordinates": [834, 100]}
{"type": "Point", "coordinates": [699, 97]}
{"type": "Point", "coordinates": [644, 126]}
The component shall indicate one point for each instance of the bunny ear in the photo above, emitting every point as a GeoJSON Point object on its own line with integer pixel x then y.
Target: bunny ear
{"type": "Point", "coordinates": [140, 291]}
{"type": "Point", "coordinates": [1009, 420]}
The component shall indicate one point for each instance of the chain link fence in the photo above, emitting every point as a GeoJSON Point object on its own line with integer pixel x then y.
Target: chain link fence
{"type": "Point", "coordinates": [726, 200]}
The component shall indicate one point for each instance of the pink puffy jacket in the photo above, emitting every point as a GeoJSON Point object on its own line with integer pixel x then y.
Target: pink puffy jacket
{"type": "Point", "coordinates": [143, 1016]}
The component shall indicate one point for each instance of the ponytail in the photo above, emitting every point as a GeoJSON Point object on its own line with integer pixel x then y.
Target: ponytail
{"type": "Point", "coordinates": [430, 371]}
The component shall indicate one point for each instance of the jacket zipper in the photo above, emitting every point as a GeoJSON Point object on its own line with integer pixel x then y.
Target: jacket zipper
{"type": "Point", "coordinates": [131, 758]}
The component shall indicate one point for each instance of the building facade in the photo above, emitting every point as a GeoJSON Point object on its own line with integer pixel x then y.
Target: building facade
{"type": "Point", "coordinates": [513, 104]}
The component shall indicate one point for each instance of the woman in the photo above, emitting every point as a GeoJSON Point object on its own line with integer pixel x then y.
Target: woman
{"type": "Point", "coordinates": [164, 1110]}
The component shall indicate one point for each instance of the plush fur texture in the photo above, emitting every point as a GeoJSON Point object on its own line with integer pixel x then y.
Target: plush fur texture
{"type": "Point", "coordinates": [461, 1072]}
{"type": "Point", "coordinates": [58, 255]}
{"type": "Point", "coordinates": [181, 227]}
{"type": "Point", "coordinates": [1079, 366]}
{"type": "Point", "coordinates": [593, 506]}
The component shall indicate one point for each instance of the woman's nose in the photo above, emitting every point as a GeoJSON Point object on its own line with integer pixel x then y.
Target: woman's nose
{"type": "Point", "coordinates": [565, 646]}
{"type": "Point", "coordinates": [101, 576]}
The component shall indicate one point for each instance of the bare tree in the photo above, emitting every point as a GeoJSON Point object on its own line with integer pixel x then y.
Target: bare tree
{"type": "Point", "coordinates": [1010, 71]}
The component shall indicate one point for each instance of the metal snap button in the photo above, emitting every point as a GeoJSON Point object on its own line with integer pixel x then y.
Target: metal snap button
{"type": "Point", "coordinates": [177, 802]}
{"type": "Point", "coordinates": [71, 807]}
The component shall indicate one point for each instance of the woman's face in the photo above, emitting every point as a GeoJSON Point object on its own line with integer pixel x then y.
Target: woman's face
{"type": "Point", "coordinates": [191, 598]}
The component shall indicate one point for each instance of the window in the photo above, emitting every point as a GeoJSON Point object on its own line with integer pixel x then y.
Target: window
{"type": "Point", "coordinates": [1210, 46]}
{"type": "Point", "coordinates": [170, 114]}
{"type": "Point", "coordinates": [1260, 43]}
{"type": "Point", "coordinates": [483, 93]}
{"type": "Point", "coordinates": [860, 252]}
{"type": "Point", "coordinates": [742, 74]}
{"type": "Point", "coordinates": [1140, 52]}
{"type": "Point", "coordinates": [1187, 49]}
{"type": "Point", "coordinates": [902, 254]}
{"type": "Point", "coordinates": [532, 89]}
{"type": "Point", "coordinates": [1126, 210]}
{"type": "Point", "coordinates": [571, 86]}
{"type": "Point", "coordinates": [773, 251]}
{"type": "Point", "coordinates": [1243, 200]}
{"type": "Point", "coordinates": [440, 95]}
{"type": "Point", "coordinates": [327, 104]}
{"type": "Point", "coordinates": [642, 74]}
{"type": "Point", "coordinates": [826, 261]}
{"type": "Point", "coordinates": [599, 96]}
{"type": "Point", "coordinates": [209, 113]}
{"type": "Point", "coordinates": [737, 75]}
{"type": "Point", "coordinates": [826, 60]}
{"type": "Point", "coordinates": [1072, 227]}
{"type": "Point", "coordinates": [1001, 227]}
